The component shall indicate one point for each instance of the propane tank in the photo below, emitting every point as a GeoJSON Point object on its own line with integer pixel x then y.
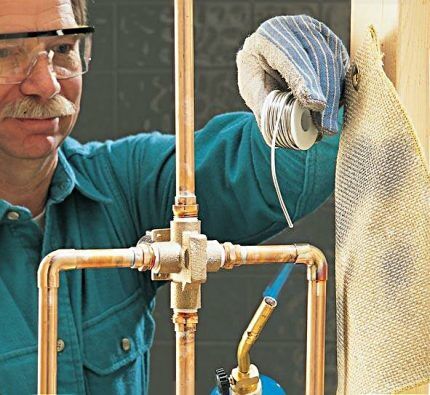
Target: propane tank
{"type": "Point", "coordinates": [267, 386]}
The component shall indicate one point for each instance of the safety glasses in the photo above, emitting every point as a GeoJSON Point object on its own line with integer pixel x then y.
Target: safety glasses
{"type": "Point", "coordinates": [68, 52]}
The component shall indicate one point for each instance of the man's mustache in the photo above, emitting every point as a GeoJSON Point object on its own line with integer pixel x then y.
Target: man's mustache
{"type": "Point", "coordinates": [30, 107]}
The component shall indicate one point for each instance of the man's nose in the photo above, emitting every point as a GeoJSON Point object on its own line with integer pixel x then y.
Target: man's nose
{"type": "Point", "coordinates": [41, 80]}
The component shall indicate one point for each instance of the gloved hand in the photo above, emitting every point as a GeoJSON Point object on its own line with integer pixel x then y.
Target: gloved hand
{"type": "Point", "coordinates": [298, 52]}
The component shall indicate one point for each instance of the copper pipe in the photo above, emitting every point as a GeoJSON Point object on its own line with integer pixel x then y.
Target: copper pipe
{"type": "Point", "coordinates": [251, 334]}
{"type": "Point", "coordinates": [269, 254]}
{"type": "Point", "coordinates": [311, 341]}
{"type": "Point", "coordinates": [320, 335]}
{"type": "Point", "coordinates": [236, 255]}
{"type": "Point", "coordinates": [185, 202]}
{"type": "Point", "coordinates": [317, 272]}
{"type": "Point", "coordinates": [48, 278]}
{"type": "Point", "coordinates": [185, 328]}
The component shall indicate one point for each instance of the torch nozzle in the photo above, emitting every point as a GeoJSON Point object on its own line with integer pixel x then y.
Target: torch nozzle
{"type": "Point", "coordinates": [250, 336]}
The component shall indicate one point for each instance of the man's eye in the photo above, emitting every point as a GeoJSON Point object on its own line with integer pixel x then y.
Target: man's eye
{"type": "Point", "coordinates": [4, 52]}
{"type": "Point", "coordinates": [63, 49]}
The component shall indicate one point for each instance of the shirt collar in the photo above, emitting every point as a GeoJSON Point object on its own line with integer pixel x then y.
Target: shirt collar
{"type": "Point", "coordinates": [5, 207]}
{"type": "Point", "coordinates": [63, 182]}
{"type": "Point", "coordinates": [66, 179]}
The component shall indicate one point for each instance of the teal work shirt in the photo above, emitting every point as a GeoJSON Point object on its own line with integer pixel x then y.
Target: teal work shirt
{"type": "Point", "coordinates": [106, 195]}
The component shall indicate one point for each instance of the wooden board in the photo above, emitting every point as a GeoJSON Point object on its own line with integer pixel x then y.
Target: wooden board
{"type": "Point", "coordinates": [403, 27]}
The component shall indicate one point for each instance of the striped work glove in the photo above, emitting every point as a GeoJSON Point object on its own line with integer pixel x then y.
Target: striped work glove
{"type": "Point", "coordinates": [298, 52]}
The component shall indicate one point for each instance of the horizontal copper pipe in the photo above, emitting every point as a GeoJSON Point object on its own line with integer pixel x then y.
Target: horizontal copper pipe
{"type": "Point", "coordinates": [48, 283]}
{"type": "Point", "coordinates": [236, 255]}
{"type": "Point", "coordinates": [267, 254]}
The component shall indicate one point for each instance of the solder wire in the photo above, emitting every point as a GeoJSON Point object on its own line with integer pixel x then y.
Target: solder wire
{"type": "Point", "coordinates": [278, 106]}
{"type": "Point", "coordinates": [275, 118]}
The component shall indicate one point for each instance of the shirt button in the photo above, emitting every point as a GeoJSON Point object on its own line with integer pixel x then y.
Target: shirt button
{"type": "Point", "coordinates": [13, 215]}
{"type": "Point", "coordinates": [60, 345]}
{"type": "Point", "coordinates": [125, 344]}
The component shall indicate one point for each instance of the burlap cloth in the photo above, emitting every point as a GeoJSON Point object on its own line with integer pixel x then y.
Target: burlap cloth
{"type": "Point", "coordinates": [382, 238]}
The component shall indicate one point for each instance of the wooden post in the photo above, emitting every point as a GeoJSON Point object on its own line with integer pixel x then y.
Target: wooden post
{"type": "Point", "coordinates": [403, 27]}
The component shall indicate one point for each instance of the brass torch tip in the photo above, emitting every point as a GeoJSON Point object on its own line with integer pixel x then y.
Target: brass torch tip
{"type": "Point", "coordinates": [270, 301]}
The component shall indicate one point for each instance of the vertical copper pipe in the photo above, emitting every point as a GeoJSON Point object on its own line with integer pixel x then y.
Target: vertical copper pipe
{"type": "Point", "coordinates": [42, 379]}
{"type": "Point", "coordinates": [185, 328]}
{"type": "Point", "coordinates": [311, 346]}
{"type": "Point", "coordinates": [185, 200]}
{"type": "Point", "coordinates": [320, 336]}
{"type": "Point", "coordinates": [184, 105]}
{"type": "Point", "coordinates": [47, 338]}
{"type": "Point", "coordinates": [52, 339]}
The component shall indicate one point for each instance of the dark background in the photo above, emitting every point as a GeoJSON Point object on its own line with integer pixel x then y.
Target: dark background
{"type": "Point", "coordinates": [130, 89]}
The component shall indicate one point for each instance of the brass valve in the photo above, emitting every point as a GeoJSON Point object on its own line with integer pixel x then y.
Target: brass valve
{"type": "Point", "coordinates": [184, 263]}
{"type": "Point", "coordinates": [184, 256]}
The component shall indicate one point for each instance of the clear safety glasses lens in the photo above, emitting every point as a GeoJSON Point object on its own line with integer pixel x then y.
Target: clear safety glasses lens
{"type": "Point", "coordinates": [68, 50]}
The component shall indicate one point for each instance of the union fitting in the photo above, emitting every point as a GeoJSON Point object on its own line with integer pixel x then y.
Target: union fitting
{"type": "Point", "coordinates": [144, 257]}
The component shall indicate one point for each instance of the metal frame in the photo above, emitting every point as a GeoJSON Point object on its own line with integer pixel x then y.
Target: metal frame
{"type": "Point", "coordinates": [48, 33]}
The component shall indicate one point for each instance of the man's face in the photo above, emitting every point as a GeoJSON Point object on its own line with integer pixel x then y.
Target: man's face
{"type": "Point", "coordinates": [23, 138]}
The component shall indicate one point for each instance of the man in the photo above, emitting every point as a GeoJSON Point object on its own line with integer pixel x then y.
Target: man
{"type": "Point", "coordinates": [56, 193]}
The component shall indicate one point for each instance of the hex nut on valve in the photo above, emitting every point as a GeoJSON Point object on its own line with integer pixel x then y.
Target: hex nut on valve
{"type": "Point", "coordinates": [245, 383]}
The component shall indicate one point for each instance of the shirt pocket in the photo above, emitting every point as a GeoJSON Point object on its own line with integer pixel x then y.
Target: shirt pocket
{"type": "Point", "coordinates": [116, 348]}
{"type": "Point", "coordinates": [18, 371]}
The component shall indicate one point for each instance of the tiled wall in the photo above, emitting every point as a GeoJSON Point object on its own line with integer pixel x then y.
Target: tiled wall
{"type": "Point", "coordinates": [129, 89]}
